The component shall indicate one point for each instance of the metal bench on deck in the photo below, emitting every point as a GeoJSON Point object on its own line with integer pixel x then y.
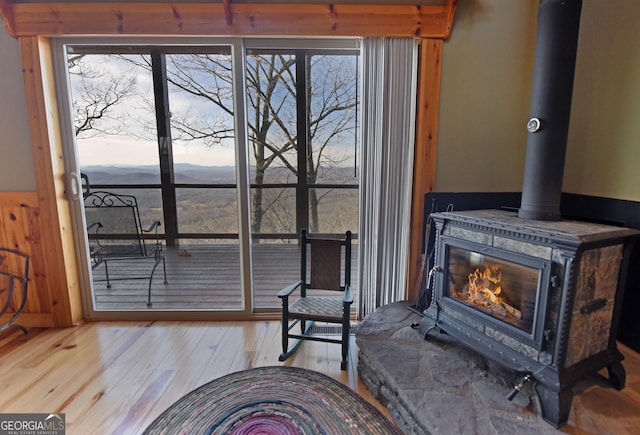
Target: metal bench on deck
{"type": "Point", "coordinates": [115, 234]}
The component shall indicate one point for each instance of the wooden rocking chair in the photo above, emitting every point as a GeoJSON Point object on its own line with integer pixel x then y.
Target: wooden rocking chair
{"type": "Point", "coordinates": [329, 267]}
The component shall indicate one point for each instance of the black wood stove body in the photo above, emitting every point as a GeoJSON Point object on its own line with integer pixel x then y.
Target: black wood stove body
{"type": "Point", "coordinates": [538, 297]}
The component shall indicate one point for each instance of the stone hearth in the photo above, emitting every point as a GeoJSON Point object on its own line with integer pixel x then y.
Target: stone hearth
{"type": "Point", "coordinates": [439, 386]}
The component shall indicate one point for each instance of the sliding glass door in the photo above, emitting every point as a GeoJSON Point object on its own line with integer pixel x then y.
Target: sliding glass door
{"type": "Point", "coordinates": [302, 119]}
{"type": "Point", "coordinates": [203, 150]}
{"type": "Point", "coordinates": [233, 146]}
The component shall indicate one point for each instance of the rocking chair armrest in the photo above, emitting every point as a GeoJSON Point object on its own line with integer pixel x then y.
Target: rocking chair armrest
{"type": "Point", "coordinates": [154, 226]}
{"type": "Point", "coordinates": [285, 292]}
{"type": "Point", "coordinates": [347, 298]}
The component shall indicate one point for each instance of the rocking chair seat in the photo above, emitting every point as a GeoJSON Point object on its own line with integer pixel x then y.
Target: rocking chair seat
{"type": "Point", "coordinates": [317, 308]}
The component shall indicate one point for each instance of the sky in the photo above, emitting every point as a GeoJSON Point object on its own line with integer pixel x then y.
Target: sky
{"type": "Point", "coordinates": [132, 141]}
{"type": "Point", "coordinates": [122, 151]}
{"type": "Point", "coordinates": [136, 144]}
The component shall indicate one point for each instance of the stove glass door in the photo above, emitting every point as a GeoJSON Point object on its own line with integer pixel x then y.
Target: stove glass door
{"type": "Point", "coordinates": [500, 288]}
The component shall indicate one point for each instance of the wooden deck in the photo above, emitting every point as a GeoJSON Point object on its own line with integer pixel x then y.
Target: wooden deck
{"type": "Point", "coordinates": [201, 277]}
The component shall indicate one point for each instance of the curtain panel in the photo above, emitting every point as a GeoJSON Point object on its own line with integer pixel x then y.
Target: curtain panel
{"type": "Point", "coordinates": [389, 82]}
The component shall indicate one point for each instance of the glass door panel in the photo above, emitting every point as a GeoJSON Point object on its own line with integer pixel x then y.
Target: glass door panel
{"type": "Point", "coordinates": [302, 111]}
{"type": "Point", "coordinates": [203, 149]}
{"type": "Point", "coordinates": [183, 175]}
{"type": "Point", "coordinates": [273, 130]}
{"type": "Point", "coordinates": [333, 147]}
{"type": "Point", "coordinates": [114, 126]}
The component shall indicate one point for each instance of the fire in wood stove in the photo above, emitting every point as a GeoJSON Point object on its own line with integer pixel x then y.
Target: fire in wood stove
{"type": "Point", "coordinates": [502, 289]}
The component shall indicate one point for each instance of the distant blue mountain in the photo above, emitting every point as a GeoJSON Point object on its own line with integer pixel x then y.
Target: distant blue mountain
{"type": "Point", "coordinates": [184, 173]}
{"type": "Point", "coordinates": [193, 174]}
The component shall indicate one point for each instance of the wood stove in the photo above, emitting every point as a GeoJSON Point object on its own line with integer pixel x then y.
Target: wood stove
{"type": "Point", "coordinates": [538, 297]}
{"type": "Point", "coordinates": [535, 293]}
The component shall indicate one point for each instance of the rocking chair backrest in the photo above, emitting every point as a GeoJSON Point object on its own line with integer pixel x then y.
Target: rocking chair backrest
{"type": "Point", "coordinates": [330, 263]}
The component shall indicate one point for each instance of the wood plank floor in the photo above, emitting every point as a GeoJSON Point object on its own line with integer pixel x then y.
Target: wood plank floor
{"type": "Point", "coordinates": [116, 377]}
{"type": "Point", "coordinates": [202, 277]}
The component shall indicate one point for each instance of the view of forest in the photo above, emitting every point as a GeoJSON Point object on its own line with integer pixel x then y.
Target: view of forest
{"type": "Point", "coordinates": [213, 210]}
{"type": "Point", "coordinates": [142, 113]}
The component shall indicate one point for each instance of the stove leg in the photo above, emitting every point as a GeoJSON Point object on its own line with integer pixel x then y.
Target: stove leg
{"type": "Point", "coordinates": [425, 326]}
{"type": "Point", "coordinates": [617, 375]}
{"type": "Point", "coordinates": [556, 405]}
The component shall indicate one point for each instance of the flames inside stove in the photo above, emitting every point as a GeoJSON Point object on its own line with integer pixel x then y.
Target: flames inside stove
{"type": "Point", "coordinates": [502, 289]}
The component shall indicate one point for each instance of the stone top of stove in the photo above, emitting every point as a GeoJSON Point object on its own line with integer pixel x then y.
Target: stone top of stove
{"type": "Point", "coordinates": [563, 230]}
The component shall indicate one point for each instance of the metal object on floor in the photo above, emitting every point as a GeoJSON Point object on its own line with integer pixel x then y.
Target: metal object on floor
{"type": "Point", "coordinates": [14, 279]}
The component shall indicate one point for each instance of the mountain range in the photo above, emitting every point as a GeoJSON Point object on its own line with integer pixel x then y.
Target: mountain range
{"type": "Point", "coordinates": [186, 173]}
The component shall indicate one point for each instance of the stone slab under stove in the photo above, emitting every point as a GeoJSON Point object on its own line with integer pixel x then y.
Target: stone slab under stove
{"type": "Point", "coordinates": [439, 386]}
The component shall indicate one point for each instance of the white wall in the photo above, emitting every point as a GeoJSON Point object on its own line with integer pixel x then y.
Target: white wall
{"type": "Point", "coordinates": [16, 157]}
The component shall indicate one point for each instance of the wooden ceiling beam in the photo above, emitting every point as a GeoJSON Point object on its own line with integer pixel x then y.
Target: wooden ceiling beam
{"type": "Point", "coordinates": [6, 10]}
{"type": "Point", "coordinates": [244, 19]}
{"type": "Point", "coordinates": [451, 9]}
{"type": "Point", "coordinates": [228, 17]}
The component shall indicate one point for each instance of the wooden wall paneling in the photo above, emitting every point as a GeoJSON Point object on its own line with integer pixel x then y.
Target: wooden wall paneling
{"type": "Point", "coordinates": [60, 262]}
{"type": "Point", "coordinates": [38, 285]}
{"type": "Point", "coordinates": [15, 233]}
{"type": "Point", "coordinates": [165, 18]}
{"type": "Point", "coordinates": [18, 199]}
{"type": "Point", "coordinates": [19, 230]}
{"type": "Point", "coordinates": [424, 169]}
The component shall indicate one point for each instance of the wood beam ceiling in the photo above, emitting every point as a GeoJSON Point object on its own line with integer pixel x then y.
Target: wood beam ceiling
{"type": "Point", "coordinates": [225, 18]}
{"type": "Point", "coordinates": [7, 15]}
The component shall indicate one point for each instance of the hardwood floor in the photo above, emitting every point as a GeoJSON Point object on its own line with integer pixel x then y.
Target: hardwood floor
{"type": "Point", "coordinates": [116, 377]}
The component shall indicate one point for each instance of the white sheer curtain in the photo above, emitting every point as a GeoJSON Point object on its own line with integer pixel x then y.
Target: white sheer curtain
{"type": "Point", "coordinates": [388, 132]}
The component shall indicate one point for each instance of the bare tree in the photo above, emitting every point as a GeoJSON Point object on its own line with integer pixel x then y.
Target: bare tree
{"type": "Point", "coordinates": [96, 97]}
{"type": "Point", "coordinates": [272, 113]}
{"type": "Point", "coordinates": [272, 118]}
{"type": "Point", "coordinates": [332, 111]}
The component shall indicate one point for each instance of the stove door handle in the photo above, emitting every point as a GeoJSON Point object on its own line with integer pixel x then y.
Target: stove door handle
{"type": "Point", "coordinates": [593, 305]}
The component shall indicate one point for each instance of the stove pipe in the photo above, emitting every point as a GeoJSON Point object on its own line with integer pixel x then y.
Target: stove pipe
{"type": "Point", "coordinates": [548, 126]}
